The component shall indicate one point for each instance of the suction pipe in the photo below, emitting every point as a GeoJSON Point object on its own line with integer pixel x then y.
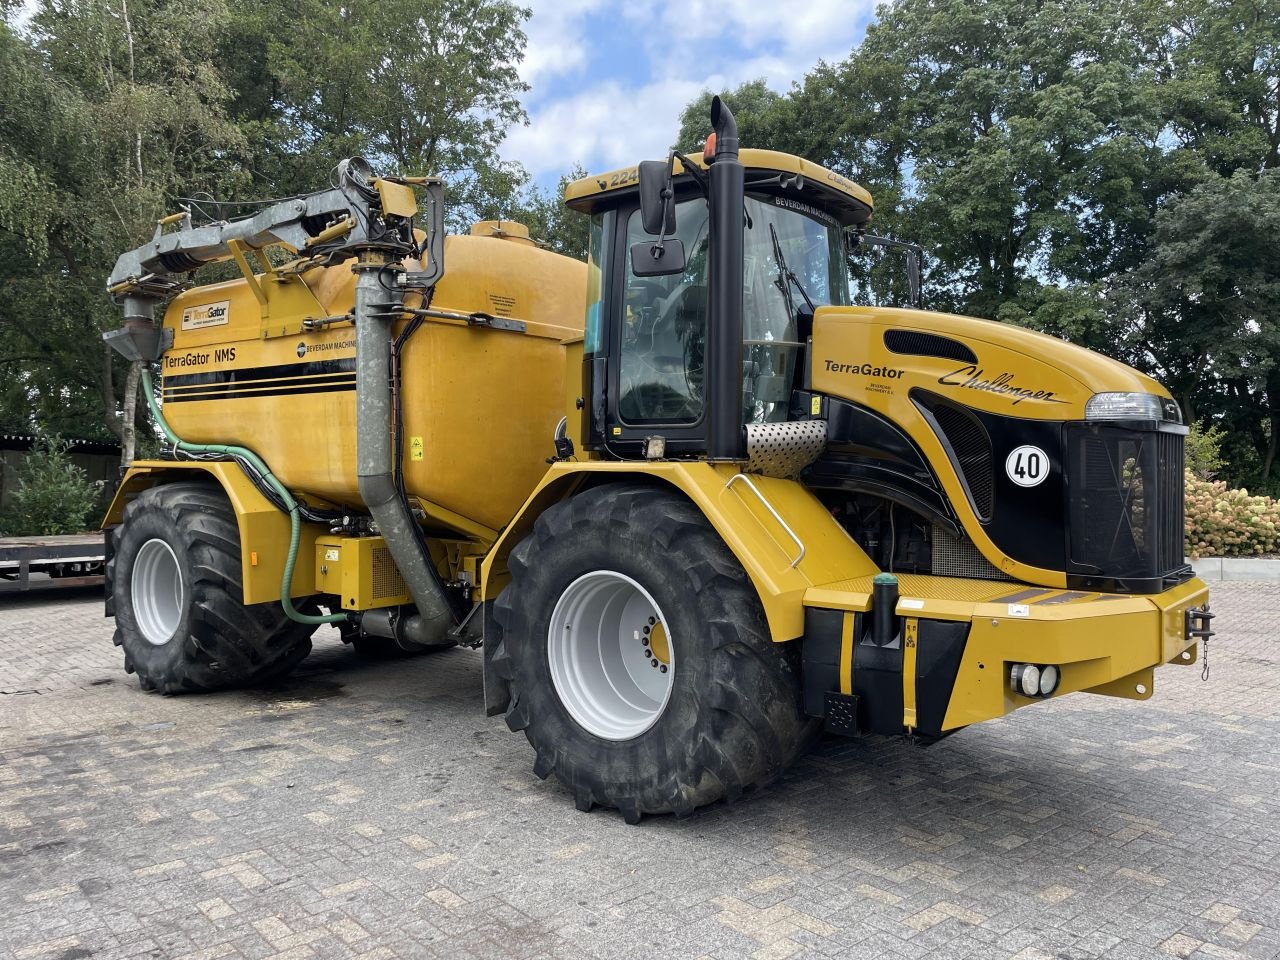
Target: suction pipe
{"type": "Point", "coordinates": [376, 307]}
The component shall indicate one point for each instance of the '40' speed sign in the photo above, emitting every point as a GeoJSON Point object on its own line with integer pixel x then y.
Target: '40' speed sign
{"type": "Point", "coordinates": [1027, 466]}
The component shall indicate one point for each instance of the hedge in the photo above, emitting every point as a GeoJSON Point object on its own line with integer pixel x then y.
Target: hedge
{"type": "Point", "coordinates": [1229, 523]}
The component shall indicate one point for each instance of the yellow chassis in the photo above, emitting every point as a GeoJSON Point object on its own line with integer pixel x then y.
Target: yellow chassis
{"type": "Point", "coordinates": [798, 557]}
{"type": "Point", "coordinates": [1107, 644]}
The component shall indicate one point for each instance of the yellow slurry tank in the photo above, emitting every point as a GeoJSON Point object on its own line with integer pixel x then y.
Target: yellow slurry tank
{"type": "Point", "coordinates": [481, 401]}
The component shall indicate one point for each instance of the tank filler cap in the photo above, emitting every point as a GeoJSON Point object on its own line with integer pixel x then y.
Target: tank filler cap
{"type": "Point", "coordinates": [502, 230]}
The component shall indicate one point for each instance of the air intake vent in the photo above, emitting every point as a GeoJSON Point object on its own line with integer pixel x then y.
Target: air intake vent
{"type": "Point", "coordinates": [919, 344]}
{"type": "Point", "coordinates": [960, 558]}
{"type": "Point", "coordinates": [387, 582]}
{"type": "Point", "coordinates": [971, 448]}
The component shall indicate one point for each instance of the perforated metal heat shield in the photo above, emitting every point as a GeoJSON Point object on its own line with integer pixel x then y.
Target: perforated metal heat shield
{"type": "Point", "coordinates": [784, 449]}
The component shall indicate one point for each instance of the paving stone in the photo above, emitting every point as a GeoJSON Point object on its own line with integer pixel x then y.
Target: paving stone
{"type": "Point", "coordinates": [367, 809]}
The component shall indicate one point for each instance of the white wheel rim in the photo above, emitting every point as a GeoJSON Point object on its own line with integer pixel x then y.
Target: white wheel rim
{"type": "Point", "coordinates": [611, 656]}
{"type": "Point", "coordinates": [157, 592]}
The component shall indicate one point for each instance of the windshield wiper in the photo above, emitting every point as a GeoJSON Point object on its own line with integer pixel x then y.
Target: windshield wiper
{"type": "Point", "coordinates": [786, 277]}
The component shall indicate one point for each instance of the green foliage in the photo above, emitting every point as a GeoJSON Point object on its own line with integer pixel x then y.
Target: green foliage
{"type": "Point", "coordinates": [53, 495]}
{"type": "Point", "coordinates": [1208, 303]}
{"type": "Point", "coordinates": [417, 86]}
{"type": "Point", "coordinates": [1203, 452]}
{"type": "Point", "coordinates": [1101, 170]}
{"type": "Point", "coordinates": [1222, 522]}
{"type": "Point", "coordinates": [112, 110]}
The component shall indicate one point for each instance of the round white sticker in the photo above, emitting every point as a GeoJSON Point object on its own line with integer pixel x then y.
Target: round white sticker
{"type": "Point", "coordinates": [1027, 466]}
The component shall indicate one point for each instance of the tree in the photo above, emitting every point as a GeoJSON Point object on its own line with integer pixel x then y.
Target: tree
{"type": "Point", "coordinates": [114, 111]}
{"type": "Point", "coordinates": [1208, 306]}
{"type": "Point", "coordinates": [52, 496]}
{"type": "Point", "coordinates": [108, 110]}
{"type": "Point", "coordinates": [754, 108]}
{"type": "Point", "coordinates": [416, 86]}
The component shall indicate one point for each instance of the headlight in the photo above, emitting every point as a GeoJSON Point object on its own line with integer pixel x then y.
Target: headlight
{"type": "Point", "coordinates": [1034, 680]}
{"type": "Point", "coordinates": [1131, 406]}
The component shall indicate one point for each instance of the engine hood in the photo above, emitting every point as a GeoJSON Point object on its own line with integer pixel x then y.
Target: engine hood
{"type": "Point", "coordinates": [885, 353]}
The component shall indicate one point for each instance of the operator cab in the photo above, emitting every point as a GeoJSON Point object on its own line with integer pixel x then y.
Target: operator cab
{"type": "Point", "coordinates": [648, 335]}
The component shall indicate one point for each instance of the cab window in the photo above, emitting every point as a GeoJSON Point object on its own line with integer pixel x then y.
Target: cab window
{"type": "Point", "coordinates": [664, 329]}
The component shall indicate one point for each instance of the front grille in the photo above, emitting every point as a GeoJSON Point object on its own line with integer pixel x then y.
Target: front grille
{"type": "Point", "coordinates": [1172, 470]}
{"type": "Point", "coordinates": [1125, 495]}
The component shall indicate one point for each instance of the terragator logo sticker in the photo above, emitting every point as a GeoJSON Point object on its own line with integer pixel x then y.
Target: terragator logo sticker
{"type": "Point", "coordinates": [206, 315]}
{"type": "Point", "coordinates": [863, 370]}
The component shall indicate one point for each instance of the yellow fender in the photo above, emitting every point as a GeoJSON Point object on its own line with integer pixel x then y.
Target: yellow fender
{"type": "Point", "coordinates": [264, 529]}
{"type": "Point", "coordinates": [742, 510]}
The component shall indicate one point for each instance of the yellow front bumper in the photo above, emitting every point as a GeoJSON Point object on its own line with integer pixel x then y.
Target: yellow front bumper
{"type": "Point", "coordinates": [1103, 643]}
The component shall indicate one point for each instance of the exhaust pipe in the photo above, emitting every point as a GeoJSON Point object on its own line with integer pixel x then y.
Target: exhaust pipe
{"type": "Point", "coordinates": [376, 307]}
{"type": "Point", "coordinates": [726, 437]}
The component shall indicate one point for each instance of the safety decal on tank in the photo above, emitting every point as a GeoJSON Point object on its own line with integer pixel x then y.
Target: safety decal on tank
{"type": "Point", "coordinates": [1027, 466]}
{"type": "Point", "coordinates": [285, 379]}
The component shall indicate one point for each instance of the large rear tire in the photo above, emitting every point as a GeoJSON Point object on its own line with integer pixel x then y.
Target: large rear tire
{"type": "Point", "coordinates": [640, 664]}
{"type": "Point", "coordinates": [175, 581]}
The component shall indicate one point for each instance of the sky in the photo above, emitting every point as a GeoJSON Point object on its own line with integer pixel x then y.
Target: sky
{"type": "Point", "coordinates": [608, 81]}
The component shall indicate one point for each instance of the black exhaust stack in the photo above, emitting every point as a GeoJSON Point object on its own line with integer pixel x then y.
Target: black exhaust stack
{"type": "Point", "coordinates": [726, 438]}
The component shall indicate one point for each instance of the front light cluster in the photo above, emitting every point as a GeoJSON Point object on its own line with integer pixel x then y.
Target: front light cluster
{"type": "Point", "coordinates": [1131, 406]}
{"type": "Point", "coordinates": [1032, 680]}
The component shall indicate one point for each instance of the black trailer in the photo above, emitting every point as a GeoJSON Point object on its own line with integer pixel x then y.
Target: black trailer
{"type": "Point", "coordinates": [70, 560]}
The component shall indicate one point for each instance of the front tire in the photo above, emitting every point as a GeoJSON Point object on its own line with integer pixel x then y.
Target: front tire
{"type": "Point", "coordinates": [640, 663]}
{"type": "Point", "coordinates": [175, 581]}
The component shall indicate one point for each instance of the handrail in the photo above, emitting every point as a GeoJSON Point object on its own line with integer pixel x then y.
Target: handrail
{"type": "Point", "coordinates": [772, 512]}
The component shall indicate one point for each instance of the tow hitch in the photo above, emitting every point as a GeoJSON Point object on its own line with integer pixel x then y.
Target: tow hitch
{"type": "Point", "coordinates": [1198, 627]}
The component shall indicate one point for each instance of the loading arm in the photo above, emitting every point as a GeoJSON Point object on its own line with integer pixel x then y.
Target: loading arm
{"type": "Point", "coordinates": [361, 212]}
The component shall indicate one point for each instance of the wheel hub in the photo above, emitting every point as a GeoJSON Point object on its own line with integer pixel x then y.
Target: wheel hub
{"type": "Point", "coordinates": [612, 663]}
{"type": "Point", "coordinates": [157, 590]}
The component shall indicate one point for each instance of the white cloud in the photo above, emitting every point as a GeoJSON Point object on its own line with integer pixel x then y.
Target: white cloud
{"type": "Point", "coordinates": [683, 49]}
{"type": "Point", "coordinates": [604, 127]}
{"type": "Point", "coordinates": [799, 33]}
{"type": "Point", "coordinates": [557, 40]}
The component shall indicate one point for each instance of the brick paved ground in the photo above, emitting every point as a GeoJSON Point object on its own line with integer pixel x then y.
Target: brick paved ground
{"type": "Point", "coordinates": [371, 810]}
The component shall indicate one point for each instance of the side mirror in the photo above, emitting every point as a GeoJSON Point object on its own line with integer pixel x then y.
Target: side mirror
{"type": "Point", "coordinates": [657, 212]}
{"type": "Point", "coordinates": [652, 259]}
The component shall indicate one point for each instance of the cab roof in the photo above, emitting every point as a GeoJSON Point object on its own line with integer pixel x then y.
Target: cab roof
{"type": "Point", "coordinates": [849, 202]}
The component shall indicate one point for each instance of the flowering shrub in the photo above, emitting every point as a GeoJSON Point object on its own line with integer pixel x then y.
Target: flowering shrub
{"type": "Point", "coordinates": [1229, 523]}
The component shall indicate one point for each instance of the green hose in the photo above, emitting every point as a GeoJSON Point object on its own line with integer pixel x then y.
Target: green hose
{"type": "Point", "coordinates": [291, 505]}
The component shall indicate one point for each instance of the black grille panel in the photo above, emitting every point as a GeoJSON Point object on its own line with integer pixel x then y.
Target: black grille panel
{"type": "Point", "coordinates": [972, 449]}
{"type": "Point", "coordinates": [918, 344]}
{"type": "Point", "coordinates": [1125, 496]}
{"type": "Point", "coordinates": [1172, 473]}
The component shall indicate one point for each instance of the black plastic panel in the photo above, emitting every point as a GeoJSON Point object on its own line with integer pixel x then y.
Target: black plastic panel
{"type": "Point", "coordinates": [939, 649]}
{"type": "Point", "coordinates": [1125, 503]}
{"type": "Point", "coordinates": [820, 658]}
{"type": "Point", "coordinates": [877, 681]}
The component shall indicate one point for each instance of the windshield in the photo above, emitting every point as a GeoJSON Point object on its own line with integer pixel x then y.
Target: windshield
{"type": "Point", "coordinates": [792, 254]}
{"type": "Point", "coordinates": [793, 260]}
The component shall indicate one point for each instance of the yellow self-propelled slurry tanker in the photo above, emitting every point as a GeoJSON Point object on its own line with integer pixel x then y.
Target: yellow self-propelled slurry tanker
{"type": "Point", "coordinates": [693, 503]}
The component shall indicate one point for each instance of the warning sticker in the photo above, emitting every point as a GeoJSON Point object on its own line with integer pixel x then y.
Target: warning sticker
{"type": "Point", "coordinates": [206, 315]}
